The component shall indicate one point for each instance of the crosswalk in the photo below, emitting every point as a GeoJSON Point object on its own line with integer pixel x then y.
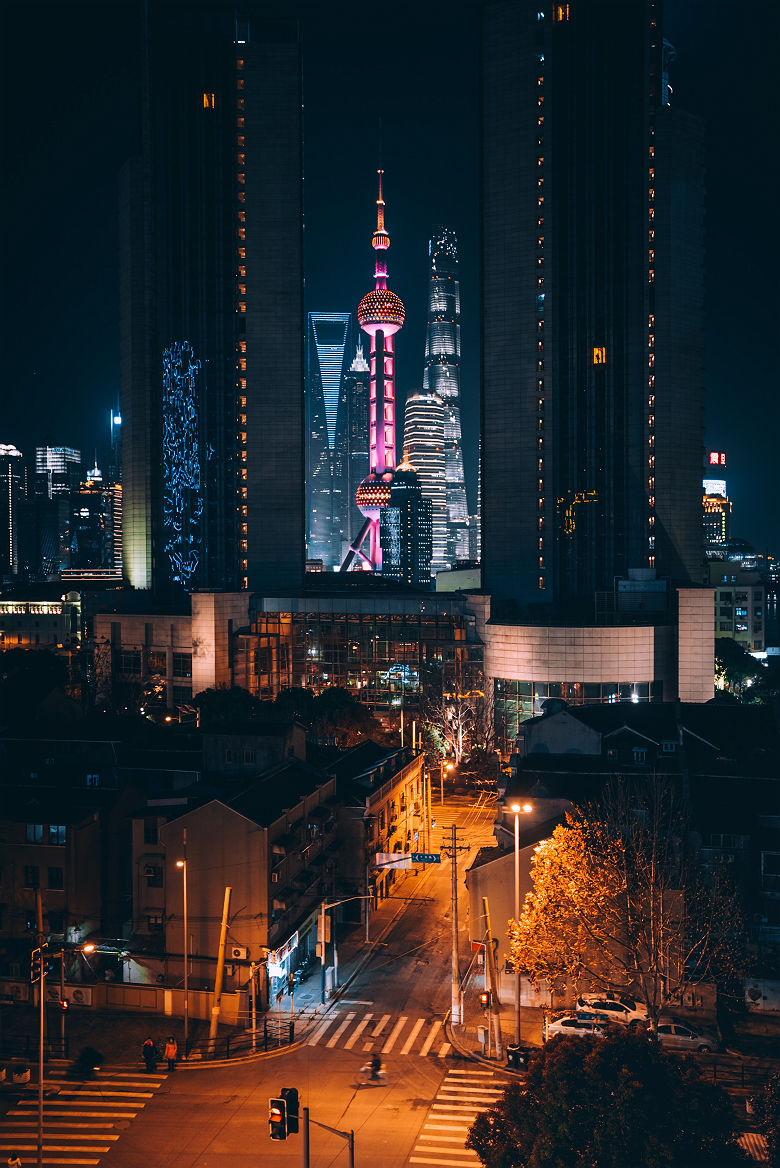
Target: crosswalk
{"type": "Point", "coordinates": [462, 1095]}
{"type": "Point", "coordinates": [81, 1121]}
{"type": "Point", "coordinates": [381, 1033]}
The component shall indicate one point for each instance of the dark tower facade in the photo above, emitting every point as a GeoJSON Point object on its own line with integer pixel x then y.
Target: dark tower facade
{"type": "Point", "coordinates": [406, 529]}
{"type": "Point", "coordinates": [211, 306]}
{"type": "Point", "coordinates": [330, 346]}
{"type": "Point", "coordinates": [592, 243]}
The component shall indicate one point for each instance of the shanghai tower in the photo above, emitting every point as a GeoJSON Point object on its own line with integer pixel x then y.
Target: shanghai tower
{"type": "Point", "coordinates": [442, 377]}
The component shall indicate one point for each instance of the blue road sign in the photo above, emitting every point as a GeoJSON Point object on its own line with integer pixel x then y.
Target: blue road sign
{"type": "Point", "coordinates": [426, 858]}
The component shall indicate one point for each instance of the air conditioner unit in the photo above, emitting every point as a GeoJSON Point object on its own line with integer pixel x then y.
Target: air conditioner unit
{"type": "Point", "coordinates": [237, 953]}
{"type": "Point", "coordinates": [274, 877]}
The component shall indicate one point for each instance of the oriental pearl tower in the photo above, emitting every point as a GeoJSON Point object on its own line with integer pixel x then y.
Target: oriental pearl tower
{"type": "Point", "coordinates": [381, 315]}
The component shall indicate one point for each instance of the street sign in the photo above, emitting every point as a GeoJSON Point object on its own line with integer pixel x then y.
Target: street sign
{"type": "Point", "coordinates": [426, 858]}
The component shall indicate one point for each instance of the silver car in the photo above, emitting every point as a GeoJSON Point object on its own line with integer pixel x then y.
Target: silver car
{"type": "Point", "coordinates": [617, 1007]}
{"type": "Point", "coordinates": [675, 1035]}
{"type": "Point", "coordinates": [576, 1027]}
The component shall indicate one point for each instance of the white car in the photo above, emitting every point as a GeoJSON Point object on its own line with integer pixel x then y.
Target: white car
{"type": "Point", "coordinates": [575, 1026]}
{"type": "Point", "coordinates": [676, 1035]}
{"type": "Point", "coordinates": [617, 1007]}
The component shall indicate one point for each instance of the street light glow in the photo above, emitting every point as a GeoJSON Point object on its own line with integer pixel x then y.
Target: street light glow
{"type": "Point", "coordinates": [89, 948]}
{"type": "Point", "coordinates": [180, 863]}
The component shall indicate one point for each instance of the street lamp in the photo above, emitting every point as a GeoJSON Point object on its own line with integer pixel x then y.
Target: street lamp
{"type": "Point", "coordinates": [518, 809]}
{"type": "Point", "coordinates": [183, 865]}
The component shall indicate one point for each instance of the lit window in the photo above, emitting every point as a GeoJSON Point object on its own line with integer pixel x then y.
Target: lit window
{"type": "Point", "coordinates": [240, 103]}
{"type": "Point", "coordinates": [242, 235]}
{"type": "Point", "coordinates": [242, 270]}
{"type": "Point", "coordinates": [240, 83]}
{"type": "Point", "coordinates": [599, 355]}
{"type": "Point", "coordinates": [541, 581]}
{"type": "Point", "coordinates": [239, 63]}
{"type": "Point", "coordinates": [242, 197]}
{"type": "Point", "coordinates": [242, 306]}
{"type": "Point", "coordinates": [208, 101]}
{"type": "Point", "coordinates": [241, 177]}
{"type": "Point", "coordinates": [240, 140]}
{"type": "Point", "coordinates": [242, 289]}
{"type": "Point", "coordinates": [240, 122]}
{"type": "Point", "coordinates": [242, 216]}
{"type": "Point", "coordinates": [242, 346]}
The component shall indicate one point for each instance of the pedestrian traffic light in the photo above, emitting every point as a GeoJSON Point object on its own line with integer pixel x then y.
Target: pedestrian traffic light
{"type": "Point", "coordinates": [277, 1119]}
{"type": "Point", "coordinates": [290, 1096]}
{"type": "Point", "coordinates": [484, 999]}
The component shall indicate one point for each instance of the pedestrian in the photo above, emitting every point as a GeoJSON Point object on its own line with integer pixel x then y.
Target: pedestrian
{"type": "Point", "coordinates": [149, 1052]}
{"type": "Point", "coordinates": [375, 1065]}
{"type": "Point", "coordinates": [14, 1160]}
{"type": "Point", "coordinates": [171, 1050]}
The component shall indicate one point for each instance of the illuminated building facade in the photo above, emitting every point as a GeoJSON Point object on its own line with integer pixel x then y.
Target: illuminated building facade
{"type": "Point", "coordinates": [424, 444]}
{"type": "Point", "coordinates": [406, 529]}
{"type": "Point", "coordinates": [60, 466]}
{"type": "Point", "coordinates": [355, 395]}
{"type": "Point", "coordinates": [592, 308]}
{"type": "Point", "coordinates": [716, 507]}
{"type": "Point", "coordinates": [330, 345]}
{"type": "Point", "coordinates": [380, 314]}
{"type": "Point", "coordinates": [442, 377]}
{"type": "Point", "coordinates": [11, 484]}
{"type": "Point", "coordinates": [211, 306]}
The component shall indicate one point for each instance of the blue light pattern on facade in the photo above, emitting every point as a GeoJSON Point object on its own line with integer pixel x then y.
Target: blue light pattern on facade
{"type": "Point", "coordinates": [182, 498]}
{"type": "Point", "coordinates": [330, 339]}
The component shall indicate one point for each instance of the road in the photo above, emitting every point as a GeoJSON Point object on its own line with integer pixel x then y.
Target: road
{"type": "Point", "coordinates": [417, 1114]}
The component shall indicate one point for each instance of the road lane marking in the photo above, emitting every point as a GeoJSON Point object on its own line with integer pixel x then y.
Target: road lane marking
{"type": "Point", "coordinates": [407, 1046]}
{"type": "Point", "coordinates": [435, 1028]}
{"type": "Point", "coordinates": [445, 1049]}
{"type": "Point", "coordinates": [83, 1114]}
{"type": "Point", "coordinates": [81, 1093]}
{"type": "Point", "coordinates": [451, 1163]}
{"type": "Point", "coordinates": [458, 1127]}
{"type": "Point", "coordinates": [470, 1109]}
{"type": "Point", "coordinates": [318, 1033]}
{"type": "Point", "coordinates": [494, 1092]}
{"type": "Point", "coordinates": [394, 1034]}
{"type": "Point", "coordinates": [338, 1033]}
{"type": "Point", "coordinates": [25, 1146]}
{"type": "Point", "coordinates": [478, 1074]}
{"type": "Point", "coordinates": [444, 1139]}
{"type": "Point", "coordinates": [61, 1132]}
{"type": "Point", "coordinates": [358, 1031]}
{"type": "Point", "coordinates": [380, 1025]}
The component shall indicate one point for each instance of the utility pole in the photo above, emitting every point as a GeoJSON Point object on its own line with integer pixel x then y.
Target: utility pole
{"type": "Point", "coordinates": [452, 851]}
{"type": "Point", "coordinates": [215, 1009]}
{"type": "Point", "coordinates": [490, 957]}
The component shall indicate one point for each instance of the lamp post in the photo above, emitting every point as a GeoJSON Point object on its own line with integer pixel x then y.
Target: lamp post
{"type": "Point", "coordinates": [517, 809]}
{"type": "Point", "coordinates": [183, 865]}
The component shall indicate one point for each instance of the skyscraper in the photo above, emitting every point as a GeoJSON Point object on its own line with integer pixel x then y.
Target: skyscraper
{"type": "Point", "coordinates": [424, 445]}
{"type": "Point", "coordinates": [406, 529]}
{"type": "Point", "coordinates": [330, 345]}
{"type": "Point", "coordinates": [592, 197]}
{"type": "Point", "coordinates": [211, 305]}
{"type": "Point", "coordinates": [355, 393]}
{"type": "Point", "coordinates": [11, 484]}
{"type": "Point", "coordinates": [442, 377]}
{"type": "Point", "coordinates": [61, 466]}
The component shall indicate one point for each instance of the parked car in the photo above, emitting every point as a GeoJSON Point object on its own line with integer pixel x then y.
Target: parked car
{"type": "Point", "coordinates": [575, 1026]}
{"type": "Point", "coordinates": [676, 1035]}
{"type": "Point", "coordinates": [617, 1007]}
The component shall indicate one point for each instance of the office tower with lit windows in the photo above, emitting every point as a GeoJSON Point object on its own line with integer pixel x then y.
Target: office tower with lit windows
{"type": "Point", "coordinates": [60, 466]}
{"type": "Point", "coordinates": [12, 480]}
{"type": "Point", "coordinates": [424, 445]}
{"type": "Point", "coordinates": [442, 377]}
{"type": "Point", "coordinates": [211, 305]}
{"type": "Point", "coordinates": [406, 529]}
{"type": "Point", "coordinates": [592, 304]}
{"type": "Point", "coordinates": [330, 345]}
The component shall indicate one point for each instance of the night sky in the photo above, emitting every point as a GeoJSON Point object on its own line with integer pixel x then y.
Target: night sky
{"type": "Point", "coordinates": [68, 73]}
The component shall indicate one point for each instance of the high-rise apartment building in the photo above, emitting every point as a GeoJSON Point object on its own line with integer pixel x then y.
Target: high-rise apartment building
{"type": "Point", "coordinates": [592, 244]}
{"type": "Point", "coordinates": [11, 487]}
{"type": "Point", "coordinates": [442, 377]}
{"type": "Point", "coordinates": [211, 305]}
{"type": "Point", "coordinates": [424, 445]}
{"type": "Point", "coordinates": [331, 344]}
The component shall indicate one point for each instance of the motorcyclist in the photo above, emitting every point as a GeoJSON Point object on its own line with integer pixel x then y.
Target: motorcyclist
{"type": "Point", "coordinates": [375, 1065]}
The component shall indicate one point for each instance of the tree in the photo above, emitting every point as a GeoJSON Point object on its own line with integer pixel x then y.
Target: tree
{"type": "Point", "coordinates": [225, 705]}
{"type": "Point", "coordinates": [27, 676]}
{"type": "Point", "coordinates": [735, 668]}
{"type": "Point", "coordinates": [619, 902]}
{"type": "Point", "coordinates": [337, 715]}
{"type": "Point", "coordinates": [618, 1102]}
{"type": "Point", "coordinates": [766, 1108]}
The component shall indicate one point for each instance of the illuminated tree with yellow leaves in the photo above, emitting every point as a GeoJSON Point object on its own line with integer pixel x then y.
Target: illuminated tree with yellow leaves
{"type": "Point", "coordinates": [618, 902]}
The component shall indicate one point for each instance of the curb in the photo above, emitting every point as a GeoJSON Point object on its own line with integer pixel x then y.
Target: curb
{"type": "Point", "coordinates": [475, 1057]}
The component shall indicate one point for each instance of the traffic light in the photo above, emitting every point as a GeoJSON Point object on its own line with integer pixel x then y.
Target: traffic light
{"type": "Point", "coordinates": [484, 999]}
{"type": "Point", "coordinates": [277, 1119]}
{"type": "Point", "coordinates": [290, 1096]}
{"type": "Point", "coordinates": [35, 965]}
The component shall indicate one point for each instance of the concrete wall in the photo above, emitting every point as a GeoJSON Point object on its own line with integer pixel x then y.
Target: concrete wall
{"type": "Point", "coordinates": [216, 616]}
{"type": "Point", "coordinates": [696, 645]}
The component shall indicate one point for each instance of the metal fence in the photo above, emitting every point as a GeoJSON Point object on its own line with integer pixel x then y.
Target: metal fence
{"type": "Point", "coordinates": [270, 1035]}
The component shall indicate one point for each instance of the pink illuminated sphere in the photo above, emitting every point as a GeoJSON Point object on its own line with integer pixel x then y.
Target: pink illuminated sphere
{"type": "Point", "coordinates": [381, 310]}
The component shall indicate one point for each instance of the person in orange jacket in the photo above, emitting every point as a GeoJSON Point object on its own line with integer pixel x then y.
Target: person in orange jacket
{"type": "Point", "coordinates": [170, 1052]}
